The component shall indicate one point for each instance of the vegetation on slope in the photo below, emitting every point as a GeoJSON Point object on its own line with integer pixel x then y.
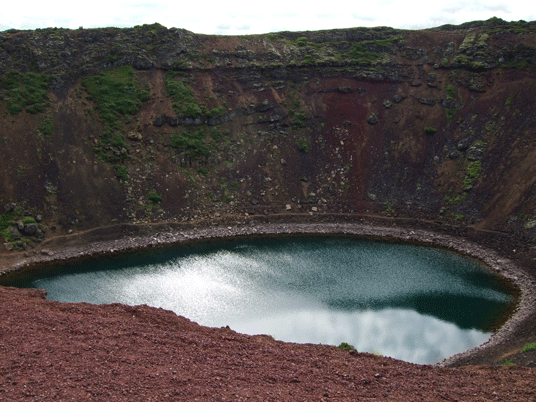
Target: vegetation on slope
{"type": "Point", "coordinates": [27, 91]}
{"type": "Point", "coordinates": [117, 95]}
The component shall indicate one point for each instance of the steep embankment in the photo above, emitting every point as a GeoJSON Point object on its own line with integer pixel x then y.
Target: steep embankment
{"type": "Point", "coordinates": [122, 126]}
{"type": "Point", "coordinates": [148, 124]}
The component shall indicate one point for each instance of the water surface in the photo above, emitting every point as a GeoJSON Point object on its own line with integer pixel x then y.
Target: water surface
{"type": "Point", "coordinates": [412, 303]}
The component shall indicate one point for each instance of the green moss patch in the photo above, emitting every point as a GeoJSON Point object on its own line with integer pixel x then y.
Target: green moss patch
{"type": "Point", "coordinates": [6, 221]}
{"type": "Point", "coordinates": [529, 347]}
{"type": "Point", "coordinates": [192, 143]}
{"type": "Point", "coordinates": [116, 93]}
{"type": "Point", "coordinates": [26, 91]}
{"type": "Point", "coordinates": [154, 197]}
{"type": "Point", "coordinates": [347, 346]}
{"type": "Point", "coordinates": [472, 173]}
{"type": "Point", "coordinates": [185, 102]}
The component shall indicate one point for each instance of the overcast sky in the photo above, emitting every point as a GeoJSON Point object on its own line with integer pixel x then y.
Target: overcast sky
{"type": "Point", "coordinates": [238, 17]}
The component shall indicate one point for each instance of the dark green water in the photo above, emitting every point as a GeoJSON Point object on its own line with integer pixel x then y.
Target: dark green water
{"type": "Point", "coordinates": [413, 303]}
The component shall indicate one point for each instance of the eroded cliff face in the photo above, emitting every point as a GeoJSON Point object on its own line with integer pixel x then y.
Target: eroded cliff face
{"type": "Point", "coordinates": [152, 124]}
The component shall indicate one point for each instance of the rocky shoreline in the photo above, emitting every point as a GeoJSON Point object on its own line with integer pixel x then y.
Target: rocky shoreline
{"type": "Point", "coordinates": [139, 237]}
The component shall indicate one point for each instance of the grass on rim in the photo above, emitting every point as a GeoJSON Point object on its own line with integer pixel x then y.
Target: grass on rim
{"type": "Point", "coordinates": [528, 347]}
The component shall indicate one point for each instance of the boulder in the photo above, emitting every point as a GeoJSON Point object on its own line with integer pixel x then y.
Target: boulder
{"type": "Point", "coordinates": [373, 119]}
{"type": "Point", "coordinates": [172, 121]}
{"type": "Point", "coordinates": [454, 154]}
{"type": "Point", "coordinates": [159, 121]}
{"type": "Point", "coordinates": [344, 90]}
{"type": "Point", "coordinates": [15, 233]}
{"type": "Point", "coordinates": [427, 101]}
{"type": "Point", "coordinates": [142, 63]}
{"type": "Point", "coordinates": [10, 207]}
{"type": "Point", "coordinates": [192, 121]}
{"type": "Point", "coordinates": [264, 106]}
{"type": "Point", "coordinates": [464, 145]}
{"type": "Point", "coordinates": [450, 104]}
{"type": "Point", "coordinates": [216, 121]}
{"type": "Point", "coordinates": [134, 136]}
{"type": "Point", "coordinates": [475, 151]}
{"type": "Point", "coordinates": [29, 230]}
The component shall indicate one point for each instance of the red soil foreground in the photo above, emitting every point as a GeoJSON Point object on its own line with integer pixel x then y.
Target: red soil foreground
{"type": "Point", "coordinates": [57, 351]}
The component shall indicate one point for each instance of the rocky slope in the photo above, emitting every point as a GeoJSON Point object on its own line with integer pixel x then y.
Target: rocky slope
{"type": "Point", "coordinates": [148, 124]}
{"type": "Point", "coordinates": [106, 129]}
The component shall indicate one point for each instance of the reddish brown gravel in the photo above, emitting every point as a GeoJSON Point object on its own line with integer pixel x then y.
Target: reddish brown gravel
{"type": "Point", "coordinates": [83, 352]}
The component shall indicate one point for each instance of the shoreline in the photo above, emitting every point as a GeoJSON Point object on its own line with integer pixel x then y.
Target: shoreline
{"type": "Point", "coordinates": [137, 238]}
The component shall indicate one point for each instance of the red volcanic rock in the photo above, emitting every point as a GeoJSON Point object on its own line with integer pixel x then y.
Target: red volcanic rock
{"type": "Point", "coordinates": [56, 351]}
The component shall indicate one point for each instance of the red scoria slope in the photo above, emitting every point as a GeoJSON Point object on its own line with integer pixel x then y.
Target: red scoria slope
{"type": "Point", "coordinates": [55, 351]}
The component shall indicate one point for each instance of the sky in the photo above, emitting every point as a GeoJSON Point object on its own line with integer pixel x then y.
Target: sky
{"type": "Point", "coordinates": [239, 17]}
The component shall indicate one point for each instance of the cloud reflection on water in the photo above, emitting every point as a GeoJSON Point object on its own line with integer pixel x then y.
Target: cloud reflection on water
{"type": "Point", "coordinates": [402, 334]}
{"type": "Point", "coordinates": [415, 304]}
